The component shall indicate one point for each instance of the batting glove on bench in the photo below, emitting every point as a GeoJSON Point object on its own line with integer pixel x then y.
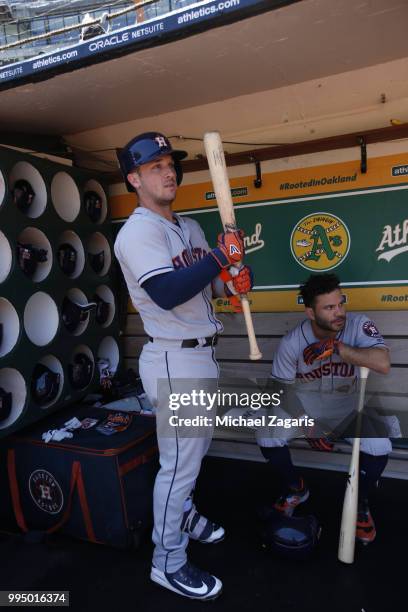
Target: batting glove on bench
{"type": "Point", "coordinates": [318, 351]}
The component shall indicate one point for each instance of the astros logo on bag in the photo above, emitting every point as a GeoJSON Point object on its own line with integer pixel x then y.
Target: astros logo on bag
{"type": "Point", "coordinates": [45, 491]}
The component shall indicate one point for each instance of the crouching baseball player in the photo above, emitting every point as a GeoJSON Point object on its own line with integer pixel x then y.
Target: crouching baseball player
{"type": "Point", "coordinates": [169, 270]}
{"type": "Point", "coordinates": [322, 353]}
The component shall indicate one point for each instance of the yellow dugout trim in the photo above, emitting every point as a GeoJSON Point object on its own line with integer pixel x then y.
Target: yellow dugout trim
{"type": "Point", "coordinates": [192, 197]}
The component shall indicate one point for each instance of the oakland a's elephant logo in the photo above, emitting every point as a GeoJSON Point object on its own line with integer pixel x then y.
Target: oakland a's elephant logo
{"type": "Point", "coordinates": [320, 241]}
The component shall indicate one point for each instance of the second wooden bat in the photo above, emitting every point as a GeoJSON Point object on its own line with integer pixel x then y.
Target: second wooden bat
{"type": "Point", "coordinates": [350, 505]}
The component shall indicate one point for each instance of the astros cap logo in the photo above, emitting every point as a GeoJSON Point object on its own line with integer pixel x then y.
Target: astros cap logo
{"type": "Point", "coordinates": [161, 141]}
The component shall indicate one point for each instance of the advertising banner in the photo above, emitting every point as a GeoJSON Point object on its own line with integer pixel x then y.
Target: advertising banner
{"type": "Point", "coordinates": [359, 234]}
{"type": "Point", "coordinates": [310, 220]}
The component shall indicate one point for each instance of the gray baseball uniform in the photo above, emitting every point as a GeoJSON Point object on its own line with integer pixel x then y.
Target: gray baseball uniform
{"type": "Point", "coordinates": [328, 384]}
{"type": "Point", "coordinates": [148, 245]}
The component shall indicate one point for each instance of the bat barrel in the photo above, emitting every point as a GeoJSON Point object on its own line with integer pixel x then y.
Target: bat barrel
{"type": "Point", "coordinates": [347, 539]}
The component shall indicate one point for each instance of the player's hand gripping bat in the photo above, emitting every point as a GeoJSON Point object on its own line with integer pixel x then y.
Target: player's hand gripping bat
{"type": "Point", "coordinates": [218, 170]}
{"type": "Point", "coordinates": [350, 504]}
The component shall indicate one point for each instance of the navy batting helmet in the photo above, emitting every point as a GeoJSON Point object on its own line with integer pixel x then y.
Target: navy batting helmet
{"type": "Point", "coordinates": [44, 384]}
{"type": "Point", "coordinates": [23, 194]}
{"type": "Point", "coordinates": [146, 148]}
{"type": "Point", "coordinates": [93, 205]}
{"type": "Point", "coordinates": [67, 258]}
{"type": "Point", "coordinates": [102, 310]}
{"type": "Point", "coordinates": [97, 261]}
{"type": "Point", "coordinates": [29, 256]}
{"type": "Point", "coordinates": [74, 313]}
{"type": "Point", "coordinates": [80, 372]}
{"type": "Point", "coordinates": [294, 537]}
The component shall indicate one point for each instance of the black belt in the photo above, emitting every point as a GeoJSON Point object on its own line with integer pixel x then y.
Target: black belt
{"type": "Point", "coordinates": [193, 342]}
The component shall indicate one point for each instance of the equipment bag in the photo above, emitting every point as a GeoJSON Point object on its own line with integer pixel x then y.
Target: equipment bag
{"type": "Point", "coordinates": [97, 485]}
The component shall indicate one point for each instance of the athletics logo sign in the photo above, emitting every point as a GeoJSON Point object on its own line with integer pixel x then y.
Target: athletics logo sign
{"type": "Point", "coordinates": [320, 241]}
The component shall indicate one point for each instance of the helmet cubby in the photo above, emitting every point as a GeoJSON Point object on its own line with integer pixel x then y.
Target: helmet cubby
{"type": "Point", "coordinates": [70, 254]}
{"type": "Point", "coordinates": [2, 188]}
{"type": "Point", "coordinates": [95, 202]}
{"type": "Point", "coordinates": [9, 327]}
{"type": "Point", "coordinates": [99, 253]}
{"type": "Point", "coordinates": [14, 397]}
{"type": "Point", "coordinates": [76, 310]}
{"type": "Point", "coordinates": [28, 189]}
{"type": "Point", "coordinates": [6, 257]}
{"type": "Point", "coordinates": [47, 381]}
{"type": "Point", "coordinates": [65, 196]}
{"type": "Point", "coordinates": [108, 350]}
{"type": "Point", "coordinates": [106, 306]}
{"type": "Point", "coordinates": [41, 318]}
{"type": "Point", "coordinates": [81, 367]}
{"type": "Point", "coordinates": [34, 254]}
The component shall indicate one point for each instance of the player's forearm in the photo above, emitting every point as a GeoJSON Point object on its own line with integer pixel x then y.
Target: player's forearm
{"type": "Point", "coordinates": [376, 359]}
{"type": "Point", "coordinates": [218, 287]}
{"type": "Point", "coordinates": [174, 288]}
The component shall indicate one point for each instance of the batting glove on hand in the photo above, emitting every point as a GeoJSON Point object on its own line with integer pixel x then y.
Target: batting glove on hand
{"type": "Point", "coordinates": [239, 283]}
{"type": "Point", "coordinates": [230, 248]}
{"type": "Point", "coordinates": [233, 298]}
{"type": "Point", "coordinates": [318, 351]}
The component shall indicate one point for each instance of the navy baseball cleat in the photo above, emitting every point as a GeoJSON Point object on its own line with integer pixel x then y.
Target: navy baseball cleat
{"type": "Point", "coordinates": [292, 498]}
{"type": "Point", "coordinates": [199, 528]}
{"type": "Point", "coordinates": [189, 581]}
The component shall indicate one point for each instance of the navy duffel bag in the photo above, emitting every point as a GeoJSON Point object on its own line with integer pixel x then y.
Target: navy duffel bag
{"type": "Point", "coordinates": [97, 485]}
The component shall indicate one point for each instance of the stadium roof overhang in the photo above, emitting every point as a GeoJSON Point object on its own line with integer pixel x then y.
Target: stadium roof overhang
{"type": "Point", "coordinates": [275, 49]}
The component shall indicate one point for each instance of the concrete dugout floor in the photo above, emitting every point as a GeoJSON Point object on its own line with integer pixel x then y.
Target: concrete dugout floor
{"type": "Point", "coordinates": [229, 492]}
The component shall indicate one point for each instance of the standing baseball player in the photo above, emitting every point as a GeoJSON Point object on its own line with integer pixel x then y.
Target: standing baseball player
{"type": "Point", "coordinates": [171, 274]}
{"type": "Point", "coordinates": [322, 353]}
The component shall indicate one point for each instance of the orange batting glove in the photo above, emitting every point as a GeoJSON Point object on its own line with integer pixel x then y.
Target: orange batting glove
{"type": "Point", "coordinates": [318, 351]}
{"type": "Point", "coordinates": [230, 248]}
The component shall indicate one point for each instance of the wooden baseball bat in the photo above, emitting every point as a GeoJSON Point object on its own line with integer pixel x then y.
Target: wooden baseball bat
{"type": "Point", "coordinates": [218, 170]}
{"type": "Point", "coordinates": [347, 539]}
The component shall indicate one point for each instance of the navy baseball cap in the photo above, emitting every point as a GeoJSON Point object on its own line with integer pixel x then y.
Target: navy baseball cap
{"type": "Point", "coordinates": [145, 148]}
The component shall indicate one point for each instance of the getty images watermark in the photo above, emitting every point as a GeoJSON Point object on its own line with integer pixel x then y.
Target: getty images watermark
{"type": "Point", "coordinates": [235, 416]}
